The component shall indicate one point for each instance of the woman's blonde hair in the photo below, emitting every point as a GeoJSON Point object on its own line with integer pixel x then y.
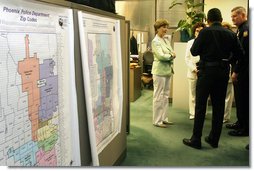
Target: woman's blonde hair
{"type": "Point", "coordinates": [159, 23]}
{"type": "Point", "coordinates": [227, 25]}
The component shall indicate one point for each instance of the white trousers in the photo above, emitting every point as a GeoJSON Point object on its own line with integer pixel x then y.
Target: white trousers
{"type": "Point", "coordinates": [228, 101]}
{"type": "Point", "coordinates": [160, 98]}
{"type": "Point", "coordinates": [192, 96]}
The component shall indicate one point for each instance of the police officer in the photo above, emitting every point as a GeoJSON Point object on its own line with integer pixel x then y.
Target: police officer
{"type": "Point", "coordinates": [241, 75]}
{"type": "Point", "coordinates": [214, 45]}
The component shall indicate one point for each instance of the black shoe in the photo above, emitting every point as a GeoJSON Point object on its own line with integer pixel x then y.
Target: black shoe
{"type": "Point", "coordinates": [191, 143]}
{"type": "Point", "coordinates": [209, 141]}
{"type": "Point", "coordinates": [238, 133]}
{"type": "Point", "coordinates": [247, 147]}
{"type": "Point", "coordinates": [233, 126]}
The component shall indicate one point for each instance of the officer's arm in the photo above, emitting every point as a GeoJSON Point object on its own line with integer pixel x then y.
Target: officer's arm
{"type": "Point", "coordinates": [197, 45]}
{"type": "Point", "coordinates": [238, 54]}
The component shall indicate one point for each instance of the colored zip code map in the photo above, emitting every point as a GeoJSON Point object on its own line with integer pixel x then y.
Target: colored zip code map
{"type": "Point", "coordinates": [29, 102]}
{"type": "Point", "coordinates": [37, 105]}
{"type": "Point", "coordinates": [102, 70]}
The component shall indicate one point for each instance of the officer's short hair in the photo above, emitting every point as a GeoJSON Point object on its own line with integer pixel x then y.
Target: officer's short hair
{"type": "Point", "coordinates": [239, 10]}
{"type": "Point", "coordinates": [159, 23]}
{"type": "Point", "coordinates": [214, 14]}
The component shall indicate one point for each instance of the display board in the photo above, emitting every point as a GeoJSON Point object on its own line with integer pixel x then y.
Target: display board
{"type": "Point", "coordinates": [102, 70]}
{"type": "Point", "coordinates": [38, 108]}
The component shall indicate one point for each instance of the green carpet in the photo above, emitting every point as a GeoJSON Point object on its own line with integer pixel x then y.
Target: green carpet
{"type": "Point", "coordinates": [152, 146]}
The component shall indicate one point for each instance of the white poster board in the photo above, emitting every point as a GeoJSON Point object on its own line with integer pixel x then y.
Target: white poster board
{"type": "Point", "coordinates": [180, 81]}
{"type": "Point", "coordinates": [38, 108]}
{"type": "Point", "coordinates": [102, 70]}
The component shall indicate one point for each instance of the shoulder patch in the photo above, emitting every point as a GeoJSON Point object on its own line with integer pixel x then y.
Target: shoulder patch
{"type": "Point", "coordinates": [245, 34]}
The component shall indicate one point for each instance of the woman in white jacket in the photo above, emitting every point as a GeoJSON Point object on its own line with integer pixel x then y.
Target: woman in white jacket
{"type": "Point", "coordinates": [192, 69]}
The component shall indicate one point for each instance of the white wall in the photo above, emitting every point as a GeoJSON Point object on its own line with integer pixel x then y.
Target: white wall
{"type": "Point", "coordinates": [225, 6]}
{"type": "Point", "coordinates": [141, 14]}
{"type": "Point", "coordinates": [174, 15]}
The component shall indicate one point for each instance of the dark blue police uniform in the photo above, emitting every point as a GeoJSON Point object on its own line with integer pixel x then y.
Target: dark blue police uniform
{"type": "Point", "coordinates": [214, 45]}
{"type": "Point", "coordinates": [241, 87]}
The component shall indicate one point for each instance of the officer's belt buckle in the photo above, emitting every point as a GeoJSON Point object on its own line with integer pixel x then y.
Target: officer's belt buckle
{"type": "Point", "coordinates": [212, 64]}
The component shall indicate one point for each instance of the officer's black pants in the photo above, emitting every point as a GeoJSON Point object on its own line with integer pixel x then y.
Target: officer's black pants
{"type": "Point", "coordinates": [237, 102]}
{"type": "Point", "coordinates": [243, 88]}
{"type": "Point", "coordinates": [211, 81]}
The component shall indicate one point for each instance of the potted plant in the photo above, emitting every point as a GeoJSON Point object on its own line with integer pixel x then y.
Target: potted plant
{"type": "Point", "coordinates": [194, 14]}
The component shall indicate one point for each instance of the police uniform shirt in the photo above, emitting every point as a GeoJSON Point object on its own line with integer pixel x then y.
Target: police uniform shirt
{"type": "Point", "coordinates": [243, 36]}
{"type": "Point", "coordinates": [215, 43]}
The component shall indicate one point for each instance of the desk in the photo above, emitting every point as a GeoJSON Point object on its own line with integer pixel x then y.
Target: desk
{"type": "Point", "coordinates": [135, 83]}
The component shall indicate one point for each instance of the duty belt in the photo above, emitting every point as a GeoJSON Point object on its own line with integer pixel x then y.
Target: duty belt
{"type": "Point", "coordinates": [222, 63]}
{"type": "Point", "coordinates": [211, 64]}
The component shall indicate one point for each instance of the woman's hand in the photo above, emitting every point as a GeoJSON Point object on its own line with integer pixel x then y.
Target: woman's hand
{"type": "Point", "coordinates": [234, 77]}
{"type": "Point", "coordinates": [173, 55]}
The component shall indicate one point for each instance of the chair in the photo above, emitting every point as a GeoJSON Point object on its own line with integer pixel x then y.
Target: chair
{"type": "Point", "coordinates": [147, 77]}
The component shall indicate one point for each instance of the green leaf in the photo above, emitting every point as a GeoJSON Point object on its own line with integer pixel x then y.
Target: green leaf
{"type": "Point", "coordinates": [198, 5]}
{"type": "Point", "coordinates": [172, 5]}
{"type": "Point", "coordinates": [193, 15]}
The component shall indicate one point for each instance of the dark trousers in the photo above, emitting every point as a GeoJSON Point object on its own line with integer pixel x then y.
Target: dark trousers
{"type": "Point", "coordinates": [237, 103]}
{"type": "Point", "coordinates": [211, 81]}
{"type": "Point", "coordinates": [243, 88]}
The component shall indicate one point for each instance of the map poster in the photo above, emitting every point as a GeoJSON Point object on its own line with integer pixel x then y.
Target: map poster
{"type": "Point", "coordinates": [102, 70]}
{"type": "Point", "coordinates": [38, 105]}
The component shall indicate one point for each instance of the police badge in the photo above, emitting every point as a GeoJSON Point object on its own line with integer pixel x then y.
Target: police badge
{"type": "Point", "coordinates": [245, 34]}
